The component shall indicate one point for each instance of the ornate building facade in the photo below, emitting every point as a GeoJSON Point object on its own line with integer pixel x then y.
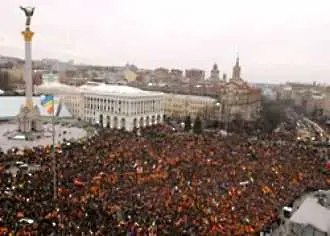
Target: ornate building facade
{"type": "Point", "coordinates": [238, 99]}
{"type": "Point", "coordinates": [180, 106]}
{"type": "Point", "coordinates": [111, 106]}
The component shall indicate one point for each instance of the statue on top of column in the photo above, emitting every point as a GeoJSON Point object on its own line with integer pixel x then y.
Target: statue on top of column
{"type": "Point", "coordinates": [28, 13]}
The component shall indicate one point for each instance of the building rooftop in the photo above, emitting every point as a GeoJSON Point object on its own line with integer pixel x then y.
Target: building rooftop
{"type": "Point", "coordinates": [312, 212]}
{"type": "Point", "coordinates": [191, 97]}
{"type": "Point", "coordinates": [119, 90]}
{"type": "Point", "coordinates": [55, 88]}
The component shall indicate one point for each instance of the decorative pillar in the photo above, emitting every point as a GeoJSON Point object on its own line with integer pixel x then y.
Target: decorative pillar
{"type": "Point", "coordinates": [28, 68]}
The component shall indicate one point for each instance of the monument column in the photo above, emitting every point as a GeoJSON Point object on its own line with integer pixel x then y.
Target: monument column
{"type": "Point", "coordinates": [29, 115]}
{"type": "Point", "coordinates": [28, 67]}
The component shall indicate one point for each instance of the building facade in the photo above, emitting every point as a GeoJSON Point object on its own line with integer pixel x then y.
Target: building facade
{"type": "Point", "coordinates": [195, 75]}
{"type": "Point", "coordinates": [180, 106]}
{"type": "Point", "coordinates": [239, 100]}
{"type": "Point", "coordinates": [215, 74]}
{"type": "Point", "coordinates": [111, 106]}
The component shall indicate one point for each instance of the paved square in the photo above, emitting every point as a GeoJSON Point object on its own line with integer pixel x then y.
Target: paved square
{"type": "Point", "coordinates": [61, 132]}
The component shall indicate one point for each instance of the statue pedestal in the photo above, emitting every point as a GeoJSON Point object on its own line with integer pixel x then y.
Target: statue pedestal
{"type": "Point", "coordinates": [29, 120]}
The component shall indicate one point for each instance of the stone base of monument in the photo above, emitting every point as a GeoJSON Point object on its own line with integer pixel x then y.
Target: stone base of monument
{"type": "Point", "coordinates": [29, 125]}
{"type": "Point", "coordinates": [29, 120]}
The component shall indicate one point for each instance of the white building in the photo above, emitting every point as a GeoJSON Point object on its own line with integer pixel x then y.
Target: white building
{"type": "Point", "coordinates": [179, 105]}
{"type": "Point", "coordinates": [308, 215]}
{"type": "Point", "coordinates": [112, 106]}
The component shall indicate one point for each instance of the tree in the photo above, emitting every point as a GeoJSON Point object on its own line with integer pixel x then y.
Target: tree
{"type": "Point", "coordinates": [187, 124]}
{"type": "Point", "coordinates": [272, 114]}
{"type": "Point", "coordinates": [197, 126]}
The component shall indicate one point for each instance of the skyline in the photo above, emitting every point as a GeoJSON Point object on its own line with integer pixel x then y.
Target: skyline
{"type": "Point", "coordinates": [277, 41]}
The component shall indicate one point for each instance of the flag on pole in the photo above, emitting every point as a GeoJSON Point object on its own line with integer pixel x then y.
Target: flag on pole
{"type": "Point", "coordinates": [48, 102]}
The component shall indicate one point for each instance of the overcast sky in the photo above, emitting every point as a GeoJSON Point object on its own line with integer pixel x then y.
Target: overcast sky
{"type": "Point", "coordinates": [277, 40]}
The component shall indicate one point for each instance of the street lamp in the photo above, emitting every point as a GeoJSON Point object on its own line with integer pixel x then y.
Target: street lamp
{"type": "Point", "coordinates": [217, 105]}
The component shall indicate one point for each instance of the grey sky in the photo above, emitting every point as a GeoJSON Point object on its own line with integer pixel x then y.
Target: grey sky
{"type": "Point", "coordinates": [276, 40]}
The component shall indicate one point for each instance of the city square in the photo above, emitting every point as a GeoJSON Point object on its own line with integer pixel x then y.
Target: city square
{"type": "Point", "coordinates": [62, 134]}
{"type": "Point", "coordinates": [88, 148]}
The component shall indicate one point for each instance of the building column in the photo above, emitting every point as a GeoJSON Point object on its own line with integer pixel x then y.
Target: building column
{"type": "Point", "coordinates": [119, 123]}
{"type": "Point", "coordinates": [129, 124]}
{"type": "Point", "coordinates": [111, 122]}
{"type": "Point", "coordinates": [142, 104]}
{"type": "Point", "coordinates": [134, 108]}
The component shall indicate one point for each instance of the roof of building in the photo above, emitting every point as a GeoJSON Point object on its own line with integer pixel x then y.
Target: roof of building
{"type": "Point", "coordinates": [55, 87]}
{"type": "Point", "coordinates": [118, 90]}
{"type": "Point", "coordinates": [9, 107]}
{"type": "Point", "coordinates": [190, 97]}
{"type": "Point", "coordinates": [311, 212]}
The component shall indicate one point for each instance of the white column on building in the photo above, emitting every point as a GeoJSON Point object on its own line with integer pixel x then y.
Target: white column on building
{"type": "Point", "coordinates": [142, 104]}
{"type": "Point", "coordinates": [126, 106]}
{"type": "Point", "coordinates": [144, 107]}
{"type": "Point", "coordinates": [134, 107]}
{"type": "Point", "coordinates": [130, 107]}
{"type": "Point", "coordinates": [122, 106]}
{"type": "Point", "coordinates": [117, 105]}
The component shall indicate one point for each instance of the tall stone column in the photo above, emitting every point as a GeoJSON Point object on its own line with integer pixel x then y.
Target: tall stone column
{"type": "Point", "coordinates": [28, 68]}
{"type": "Point", "coordinates": [29, 115]}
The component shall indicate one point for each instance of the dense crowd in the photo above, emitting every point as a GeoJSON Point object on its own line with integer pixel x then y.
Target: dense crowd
{"type": "Point", "coordinates": [159, 183]}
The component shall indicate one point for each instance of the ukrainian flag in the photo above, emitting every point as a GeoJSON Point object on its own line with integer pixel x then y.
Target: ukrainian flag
{"type": "Point", "coordinates": [48, 102]}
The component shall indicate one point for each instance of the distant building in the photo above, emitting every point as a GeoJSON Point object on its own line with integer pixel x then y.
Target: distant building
{"type": "Point", "coordinates": [314, 104]}
{"type": "Point", "coordinates": [56, 65]}
{"type": "Point", "coordinates": [239, 100]}
{"type": "Point", "coordinates": [161, 75]}
{"type": "Point", "coordinates": [4, 79]}
{"type": "Point", "coordinates": [143, 76]}
{"type": "Point", "coordinates": [215, 74]}
{"type": "Point", "coordinates": [111, 106]}
{"type": "Point", "coordinates": [309, 215]}
{"type": "Point", "coordinates": [195, 75]}
{"type": "Point", "coordinates": [129, 75]}
{"type": "Point", "coordinates": [50, 77]}
{"type": "Point", "coordinates": [180, 106]}
{"type": "Point", "coordinates": [177, 73]}
{"type": "Point", "coordinates": [37, 78]}
{"type": "Point", "coordinates": [326, 108]}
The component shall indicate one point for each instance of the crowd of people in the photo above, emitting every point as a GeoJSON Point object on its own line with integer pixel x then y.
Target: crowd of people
{"type": "Point", "coordinates": [158, 182]}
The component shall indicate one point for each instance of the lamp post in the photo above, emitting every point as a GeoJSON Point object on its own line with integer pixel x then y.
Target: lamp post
{"type": "Point", "coordinates": [217, 105]}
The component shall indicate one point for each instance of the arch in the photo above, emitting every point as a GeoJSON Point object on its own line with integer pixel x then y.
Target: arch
{"type": "Point", "coordinates": [158, 119]}
{"type": "Point", "coordinates": [108, 122]}
{"type": "Point", "coordinates": [101, 120]}
{"type": "Point", "coordinates": [122, 123]}
{"type": "Point", "coordinates": [115, 122]}
{"type": "Point", "coordinates": [153, 120]}
{"type": "Point", "coordinates": [134, 123]}
{"type": "Point", "coordinates": [147, 121]}
{"type": "Point", "coordinates": [33, 125]}
{"type": "Point", "coordinates": [141, 122]}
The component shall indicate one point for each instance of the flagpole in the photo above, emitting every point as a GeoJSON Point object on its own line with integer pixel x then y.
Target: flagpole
{"type": "Point", "coordinates": [53, 151]}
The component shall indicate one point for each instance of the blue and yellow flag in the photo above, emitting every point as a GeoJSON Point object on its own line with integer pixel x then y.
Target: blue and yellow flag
{"type": "Point", "coordinates": [48, 102]}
